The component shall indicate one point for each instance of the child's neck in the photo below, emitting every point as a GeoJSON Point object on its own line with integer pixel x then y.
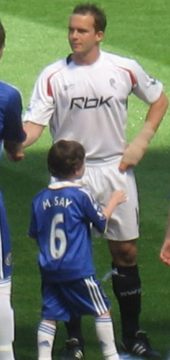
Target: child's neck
{"type": "Point", "coordinates": [69, 178]}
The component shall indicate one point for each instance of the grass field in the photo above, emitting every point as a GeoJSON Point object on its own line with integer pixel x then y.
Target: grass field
{"type": "Point", "coordinates": [36, 36]}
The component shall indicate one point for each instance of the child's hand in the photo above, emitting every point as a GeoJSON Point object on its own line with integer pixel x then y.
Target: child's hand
{"type": "Point", "coordinates": [119, 196]}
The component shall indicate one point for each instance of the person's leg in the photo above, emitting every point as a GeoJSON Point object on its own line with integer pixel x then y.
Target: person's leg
{"type": "Point", "coordinates": [54, 309]}
{"type": "Point", "coordinates": [74, 346]}
{"type": "Point", "coordinates": [126, 284]}
{"type": "Point", "coordinates": [87, 297]}
{"type": "Point", "coordinates": [74, 329]}
{"type": "Point", "coordinates": [45, 339]}
{"type": "Point", "coordinates": [6, 311]}
{"type": "Point", "coordinates": [105, 335]}
{"type": "Point", "coordinates": [127, 288]}
{"type": "Point", "coordinates": [6, 321]}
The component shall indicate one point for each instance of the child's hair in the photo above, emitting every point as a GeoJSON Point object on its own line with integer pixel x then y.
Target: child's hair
{"type": "Point", "coordinates": [64, 158]}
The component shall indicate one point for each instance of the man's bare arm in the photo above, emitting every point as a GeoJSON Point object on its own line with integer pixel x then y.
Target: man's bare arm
{"type": "Point", "coordinates": [33, 132]}
{"type": "Point", "coordinates": [136, 149]}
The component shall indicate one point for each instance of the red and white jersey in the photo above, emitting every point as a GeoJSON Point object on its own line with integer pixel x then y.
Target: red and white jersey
{"type": "Point", "coordinates": [89, 103]}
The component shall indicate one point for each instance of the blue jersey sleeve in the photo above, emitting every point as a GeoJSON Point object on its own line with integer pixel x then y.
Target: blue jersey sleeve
{"type": "Point", "coordinates": [13, 130]}
{"type": "Point", "coordinates": [93, 211]}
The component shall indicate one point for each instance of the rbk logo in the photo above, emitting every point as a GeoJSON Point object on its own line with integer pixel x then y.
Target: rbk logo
{"type": "Point", "coordinates": [86, 103]}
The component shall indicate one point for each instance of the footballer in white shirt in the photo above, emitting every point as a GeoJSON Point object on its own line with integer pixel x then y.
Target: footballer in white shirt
{"type": "Point", "coordinates": [84, 97]}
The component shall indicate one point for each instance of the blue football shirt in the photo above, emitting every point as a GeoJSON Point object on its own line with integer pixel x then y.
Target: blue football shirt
{"type": "Point", "coordinates": [60, 222]}
{"type": "Point", "coordinates": [10, 130]}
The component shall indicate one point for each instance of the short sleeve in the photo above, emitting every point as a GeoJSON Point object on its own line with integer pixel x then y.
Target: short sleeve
{"type": "Point", "coordinates": [41, 107]}
{"type": "Point", "coordinates": [13, 129]}
{"type": "Point", "coordinates": [93, 211]}
{"type": "Point", "coordinates": [146, 87]}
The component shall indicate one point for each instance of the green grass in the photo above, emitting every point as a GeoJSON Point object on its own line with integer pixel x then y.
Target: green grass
{"type": "Point", "coordinates": [36, 36]}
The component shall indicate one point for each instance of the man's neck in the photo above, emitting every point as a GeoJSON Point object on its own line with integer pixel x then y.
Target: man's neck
{"type": "Point", "coordinates": [86, 59]}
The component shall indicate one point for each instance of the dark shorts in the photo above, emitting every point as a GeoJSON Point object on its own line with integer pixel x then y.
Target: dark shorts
{"type": "Point", "coordinates": [61, 301]}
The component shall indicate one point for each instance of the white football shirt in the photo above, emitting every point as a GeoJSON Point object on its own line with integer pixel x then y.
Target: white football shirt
{"type": "Point", "coordinates": [89, 103]}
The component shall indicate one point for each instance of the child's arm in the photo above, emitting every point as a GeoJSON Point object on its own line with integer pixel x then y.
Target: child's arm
{"type": "Point", "coordinates": [118, 196]}
{"type": "Point", "coordinates": [95, 214]}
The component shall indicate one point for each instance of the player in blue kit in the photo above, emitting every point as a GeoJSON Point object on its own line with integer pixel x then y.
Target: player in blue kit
{"type": "Point", "coordinates": [11, 137]}
{"type": "Point", "coordinates": [60, 223]}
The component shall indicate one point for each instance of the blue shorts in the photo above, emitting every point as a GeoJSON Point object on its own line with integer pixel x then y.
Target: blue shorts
{"type": "Point", "coordinates": [61, 301]}
{"type": "Point", "coordinates": [5, 243]}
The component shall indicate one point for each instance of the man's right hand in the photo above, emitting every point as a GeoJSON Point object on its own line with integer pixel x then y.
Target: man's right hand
{"type": "Point", "coordinates": [14, 150]}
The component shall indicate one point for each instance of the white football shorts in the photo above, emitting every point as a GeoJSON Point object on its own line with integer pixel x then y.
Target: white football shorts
{"type": "Point", "coordinates": [102, 178]}
{"type": "Point", "coordinates": [5, 286]}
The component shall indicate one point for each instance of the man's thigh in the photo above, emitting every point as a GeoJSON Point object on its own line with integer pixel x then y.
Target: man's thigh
{"type": "Point", "coordinates": [102, 181]}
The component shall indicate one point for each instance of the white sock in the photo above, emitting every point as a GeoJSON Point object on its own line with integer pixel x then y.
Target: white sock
{"type": "Point", "coordinates": [105, 334]}
{"type": "Point", "coordinates": [6, 328]}
{"type": "Point", "coordinates": [45, 340]}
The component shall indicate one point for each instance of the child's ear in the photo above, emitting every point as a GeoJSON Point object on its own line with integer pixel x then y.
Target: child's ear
{"type": "Point", "coordinates": [76, 172]}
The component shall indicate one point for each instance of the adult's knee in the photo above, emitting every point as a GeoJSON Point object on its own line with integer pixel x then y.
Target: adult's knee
{"type": "Point", "coordinates": [123, 252]}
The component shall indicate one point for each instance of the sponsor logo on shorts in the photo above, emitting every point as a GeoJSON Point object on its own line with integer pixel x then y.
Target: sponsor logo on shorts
{"type": "Point", "coordinates": [8, 260]}
{"type": "Point", "coordinates": [45, 343]}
